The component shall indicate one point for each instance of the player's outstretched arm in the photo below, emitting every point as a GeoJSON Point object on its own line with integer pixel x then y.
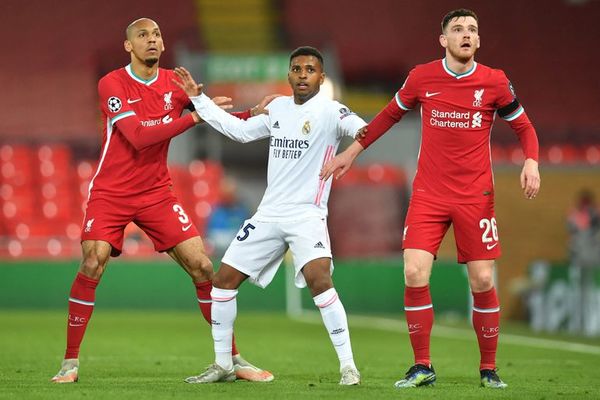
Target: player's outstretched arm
{"type": "Point", "coordinates": [230, 126]}
{"type": "Point", "coordinates": [530, 178]}
{"type": "Point", "coordinates": [187, 83]}
{"type": "Point", "coordinates": [340, 164]}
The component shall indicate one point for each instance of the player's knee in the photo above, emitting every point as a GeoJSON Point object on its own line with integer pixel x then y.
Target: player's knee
{"type": "Point", "coordinates": [482, 282]}
{"type": "Point", "coordinates": [223, 282]}
{"type": "Point", "coordinates": [415, 276]}
{"type": "Point", "coordinates": [319, 284]}
{"type": "Point", "coordinates": [92, 266]}
{"type": "Point", "coordinates": [201, 269]}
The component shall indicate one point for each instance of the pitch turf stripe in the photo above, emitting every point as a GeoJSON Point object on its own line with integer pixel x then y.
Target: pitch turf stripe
{"type": "Point", "coordinates": [85, 303]}
{"type": "Point", "coordinates": [486, 310]}
{"type": "Point", "coordinates": [399, 326]}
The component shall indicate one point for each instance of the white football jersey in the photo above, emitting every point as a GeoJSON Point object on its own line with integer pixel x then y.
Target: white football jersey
{"type": "Point", "coordinates": [303, 137]}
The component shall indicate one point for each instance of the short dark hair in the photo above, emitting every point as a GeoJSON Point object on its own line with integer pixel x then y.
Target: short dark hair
{"type": "Point", "coordinates": [306, 51]}
{"type": "Point", "coordinates": [461, 12]}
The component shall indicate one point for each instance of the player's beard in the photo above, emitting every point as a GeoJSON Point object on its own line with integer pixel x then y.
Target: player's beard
{"type": "Point", "coordinates": [150, 62]}
{"type": "Point", "coordinates": [461, 57]}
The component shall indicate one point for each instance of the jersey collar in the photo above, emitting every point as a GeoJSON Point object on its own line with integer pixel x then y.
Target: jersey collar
{"type": "Point", "coordinates": [140, 80]}
{"type": "Point", "coordinates": [459, 76]}
{"type": "Point", "coordinates": [315, 99]}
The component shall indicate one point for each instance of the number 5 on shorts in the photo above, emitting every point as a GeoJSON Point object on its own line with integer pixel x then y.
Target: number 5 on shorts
{"type": "Point", "coordinates": [246, 230]}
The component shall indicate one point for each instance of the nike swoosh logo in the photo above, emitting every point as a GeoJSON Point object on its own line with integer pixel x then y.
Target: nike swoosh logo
{"type": "Point", "coordinates": [489, 336]}
{"type": "Point", "coordinates": [410, 333]}
{"type": "Point", "coordinates": [427, 94]}
{"type": "Point", "coordinates": [75, 325]}
{"type": "Point", "coordinates": [131, 101]}
{"type": "Point", "coordinates": [491, 246]}
{"type": "Point", "coordinates": [185, 228]}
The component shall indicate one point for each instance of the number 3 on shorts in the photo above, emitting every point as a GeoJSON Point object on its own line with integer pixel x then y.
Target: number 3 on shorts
{"type": "Point", "coordinates": [489, 226]}
{"type": "Point", "coordinates": [183, 218]}
{"type": "Point", "coordinates": [246, 230]}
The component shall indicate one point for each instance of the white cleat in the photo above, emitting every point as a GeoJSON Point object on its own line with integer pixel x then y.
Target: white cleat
{"type": "Point", "coordinates": [213, 374]}
{"type": "Point", "coordinates": [245, 370]}
{"type": "Point", "coordinates": [350, 376]}
{"type": "Point", "coordinates": [69, 371]}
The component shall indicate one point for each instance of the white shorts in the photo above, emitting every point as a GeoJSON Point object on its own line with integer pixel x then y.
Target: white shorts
{"type": "Point", "coordinates": [259, 248]}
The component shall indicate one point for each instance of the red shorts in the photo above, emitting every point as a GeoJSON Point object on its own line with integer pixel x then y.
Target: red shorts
{"type": "Point", "coordinates": [161, 217]}
{"type": "Point", "coordinates": [475, 228]}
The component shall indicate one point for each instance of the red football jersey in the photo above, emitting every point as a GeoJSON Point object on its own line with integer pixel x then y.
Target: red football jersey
{"type": "Point", "coordinates": [457, 113]}
{"type": "Point", "coordinates": [126, 167]}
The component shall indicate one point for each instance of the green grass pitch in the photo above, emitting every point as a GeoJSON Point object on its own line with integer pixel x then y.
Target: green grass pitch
{"type": "Point", "coordinates": [146, 355]}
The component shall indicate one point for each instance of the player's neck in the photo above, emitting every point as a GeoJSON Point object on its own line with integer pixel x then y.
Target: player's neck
{"type": "Point", "coordinates": [142, 70]}
{"type": "Point", "coordinates": [459, 66]}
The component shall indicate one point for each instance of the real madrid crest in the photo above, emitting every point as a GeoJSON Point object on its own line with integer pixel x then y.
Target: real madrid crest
{"type": "Point", "coordinates": [306, 128]}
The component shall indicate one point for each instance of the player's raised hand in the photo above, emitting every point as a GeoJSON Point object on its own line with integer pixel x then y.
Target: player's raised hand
{"type": "Point", "coordinates": [260, 108]}
{"type": "Point", "coordinates": [186, 82]}
{"type": "Point", "coordinates": [223, 102]}
{"type": "Point", "coordinates": [530, 179]}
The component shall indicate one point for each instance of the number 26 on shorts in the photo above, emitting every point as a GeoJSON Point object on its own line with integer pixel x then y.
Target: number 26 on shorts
{"type": "Point", "coordinates": [246, 230]}
{"type": "Point", "coordinates": [490, 230]}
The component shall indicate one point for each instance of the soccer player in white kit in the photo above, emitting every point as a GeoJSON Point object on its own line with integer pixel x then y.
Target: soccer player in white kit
{"type": "Point", "coordinates": [304, 132]}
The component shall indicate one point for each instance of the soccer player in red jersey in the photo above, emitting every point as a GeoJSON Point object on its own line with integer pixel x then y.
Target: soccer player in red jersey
{"type": "Point", "coordinates": [458, 99]}
{"type": "Point", "coordinates": [141, 112]}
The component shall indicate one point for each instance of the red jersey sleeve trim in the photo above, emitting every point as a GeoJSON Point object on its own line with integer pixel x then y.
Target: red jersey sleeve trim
{"type": "Point", "coordinates": [121, 116]}
{"type": "Point", "coordinates": [382, 122]}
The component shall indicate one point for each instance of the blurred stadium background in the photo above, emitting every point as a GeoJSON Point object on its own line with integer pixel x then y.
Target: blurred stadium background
{"type": "Point", "coordinates": [50, 141]}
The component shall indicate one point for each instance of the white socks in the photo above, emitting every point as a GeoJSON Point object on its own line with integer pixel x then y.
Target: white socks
{"type": "Point", "coordinates": [223, 313]}
{"type": "Point", "coordinates": [336, 323]}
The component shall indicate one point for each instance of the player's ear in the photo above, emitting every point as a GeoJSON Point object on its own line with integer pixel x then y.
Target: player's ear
{"type": "Point", "coordinates": [322, 78]}
{"type": "Point", "coordinates": [443, 41]}
{"type": "Point", "coordinates": [127, 45]}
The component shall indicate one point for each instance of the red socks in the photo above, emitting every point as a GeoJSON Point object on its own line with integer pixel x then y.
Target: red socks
{"type": "Point", "coordinates": [205, 302]}
{"type": "Point", "coordinates": [81, 305]}
{"type": "Point", "coordinates": [419, 317]}
{"type": "Point", "coordinates": [486, 322]}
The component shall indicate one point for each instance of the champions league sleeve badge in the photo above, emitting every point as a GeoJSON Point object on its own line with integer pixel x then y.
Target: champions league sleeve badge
{"type": "Point", "coordinates": [114, 104]}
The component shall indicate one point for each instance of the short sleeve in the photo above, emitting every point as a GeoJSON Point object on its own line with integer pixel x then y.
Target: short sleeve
{"type": "Point", "coordinates": [348, 122]}
{"type": "Point", "coordinates": [407, 97]}
{"type": "Point", "coordinates": [113, 100]}
{"type": "Point", "coordinates": [506, 92]}
{"type": "Point", "coordinates": [507, 104]}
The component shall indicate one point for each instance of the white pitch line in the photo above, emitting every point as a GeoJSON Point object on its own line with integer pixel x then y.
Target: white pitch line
{"type": "Point", "coordinates": [399, 326]}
